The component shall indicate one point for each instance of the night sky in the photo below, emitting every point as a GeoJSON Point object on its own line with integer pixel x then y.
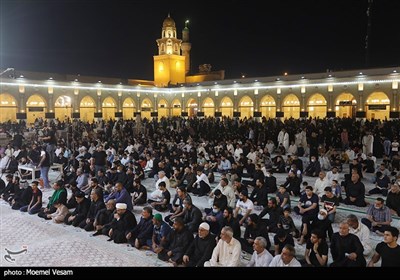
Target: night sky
{"type": "Point", "coordinates": [118, 38]}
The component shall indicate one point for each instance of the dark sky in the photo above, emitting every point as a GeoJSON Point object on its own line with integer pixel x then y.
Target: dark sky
{"type": "Point", "coordinates": [118, 38]}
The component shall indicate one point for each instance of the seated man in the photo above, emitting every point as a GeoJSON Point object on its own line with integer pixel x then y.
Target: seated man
{"type": "Point", "coordinates": [254, 228]}
{"type": "Point", "coordinates": [393, 199]}
{"type": "Point", "coordinates": [261, 256]}
{"type": "Point", "coordinates": [382, 184]}
{"type": "Point", "coordinates": [313, 168]}
{"type": "Point", "coordinates": [141, 234]}
{"type": "Point", "coordinates": [227, 252]}
{"type": "Point", "coordinates": [316, 254]}
{"type": "Point", "coordinates": [355, 191]}
{"type": "Point", "coordinates": [176, 244]}
{"type": "Point", "coordinates": [192, 216]}
{"type": "Point", "coordinates": [346, 248]}
{"type": "Point", "coordinates": [59, 194]}
{"type": "Point", "coordinates": [201, 248]}
{"type": "Point", "coordinates": [163, 204]}
{"type": "Point", "coordinates": [362, 232]}
{"type": "Point", "coordinates": [96, 205]}
{"type": "Point", "coordinates": [104, 218]}
{"type": "Point", "coordinates": [139, 195]}
{"type": "Point", "coordinates": [80, 212]}
{"type": "Point", "coordinates": [388, 250]}
{"type": "Point", "coordinates": [286, 258]}
{"type": "Point", "coordinates": [378, 217]}
{"type": "Point", "coordinates": [244, 207]}
{"type": "Point", "coordinates": [161, 231]}
{"type": "Point", "coordinates": [282, 238]}
{"type": "Point", "coordinates": [123, 222]}
{"type": "Point", "coordinates": [308, 208]}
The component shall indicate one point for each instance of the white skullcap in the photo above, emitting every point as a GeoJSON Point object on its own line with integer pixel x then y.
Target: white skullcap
{"type": "Point", "coordinates": [121, 206]}
{"type": "Point", "coordinates": [205, 226]}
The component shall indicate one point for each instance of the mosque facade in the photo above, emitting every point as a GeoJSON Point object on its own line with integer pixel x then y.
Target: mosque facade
{"type": "Point", "coordinates": [175, 91]}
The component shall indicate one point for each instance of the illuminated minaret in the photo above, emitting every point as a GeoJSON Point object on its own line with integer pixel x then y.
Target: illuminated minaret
{"type": "Point", "coordinates": [186, 47]}
{"type": "Point", "coordinates": [169, 64]}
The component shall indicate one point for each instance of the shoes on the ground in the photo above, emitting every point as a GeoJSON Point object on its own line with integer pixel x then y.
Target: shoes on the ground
{"type": "Point", "coordinates": [96, 233]}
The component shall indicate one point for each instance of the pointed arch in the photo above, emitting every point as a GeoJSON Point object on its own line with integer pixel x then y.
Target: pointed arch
{"type": "Point", "coordinates": [246, 107]}
{"type": "Point", "coordinates": [8, 108]}
{"type": "Point", "coordinates": [208, 107]}
{"type": "Point", "coordinates": [291, 106]}
{"type": "Point", "coordinates": [345, 105]}
{"type": "Point", "coordinates": [87, 108]}
{"type": "Point", "coordinates": [268, 106]}
{"type": "Point", "coordinates": [192, 107]}
{"type": "Point", "coordinates": [36, 108]}
{"type": "Point", "coordinates": [128, 108]}
{"type": "Point", "coordinates": [63, 107]}
{"type": "Point", "coordinates": [377, 105]}
{"type": "Point", "coordinates": [226, 107]}
{"type": "Point", "coordinates": [109, 107]}
{"type": "Point", "coordinates": [316, 106]}
{"type": "Point", "coordinates": [146, 108]}
{"type": "Point", "coordinates": [176, 107]}
{"type": "Point", "coordinates": [163, 108]}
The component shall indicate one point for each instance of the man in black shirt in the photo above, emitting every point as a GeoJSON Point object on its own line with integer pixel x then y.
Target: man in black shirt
{"type": "Point", "coordinates": [99, 159]}
{"type": "Point", "coordinates": [200, 250]}
{"type": "Point", "coordinates": [346, 248]}
{"type": "Point", "coordinates": [388, 250]}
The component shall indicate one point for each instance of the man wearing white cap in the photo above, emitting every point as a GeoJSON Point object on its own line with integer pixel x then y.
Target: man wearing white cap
{"type": "Point", "coordinates": [123, 222]}
{"type": "Point", "coordinates": [321, 223]}
{"type": "Point", "coordinates": [200, 250]}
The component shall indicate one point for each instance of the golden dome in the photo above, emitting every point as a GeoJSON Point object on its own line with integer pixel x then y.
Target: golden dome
{"type": "Point", "coordinates": [169, 22]}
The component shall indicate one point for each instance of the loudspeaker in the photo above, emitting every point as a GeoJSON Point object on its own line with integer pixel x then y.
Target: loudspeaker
{"type": "Point", "coordinates": [50, 115]}
{"type": "Point", "coordinates": [361, 114]}
{"type": "Point", "coordinates": [200, 114]}
{"type": "Point", "coordinates": [98, 115]}
{"type": "Point", "coordinates": [76, 115]}
{"type": "Point", "coordinates": [257, 114]}
{"type": "Point", "coordinates": [118, 114]}
{"type": "Point", "coordinates": [184, 114]}
{"type": "Point", "coordinates": [154, 114]}
{"type": "Point", "coordinates": [394, 115]}
{"type": "Point", "coordinates": [331, 114]}
{"type": "Point", "coordinates": [136, 114]}
{"type": "Point", "coordinates": [21, 116]}
{"type": "Point", "coordinates": [236, 114]}
{"type": "Point", "coordinates": [280, 114]}
{"type": "Point", "coordinates": [218, 114]}
{"type": "Point", "coordinates": [303, 114]}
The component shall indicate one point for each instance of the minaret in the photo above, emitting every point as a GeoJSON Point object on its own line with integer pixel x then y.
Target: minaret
{"type": "Point", "coordinates": [169, 43]}
{"type": "Point", "coordinates": [169, 64]}
{"type": "Point", "coordinates": [186, 47]}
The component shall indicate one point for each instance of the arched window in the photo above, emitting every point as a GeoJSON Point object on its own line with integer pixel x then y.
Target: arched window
{"type": "Point", "coordinates": [128, 108]}
{"type": "Point", "coordinates": [8, 108]}
{"type": "Point", "coordinates": [291, 106]}
{"type": "Point", "coordinates": [268, 107]}
{"type": "Point", "coordinates": [87, 109]}
{"type": "Point", "coordinates": [208, 107]}
{"type": "Point", "coordinates": [63, 108]}
{"type": "Point", "coordinates": [226, 107]}
{"type": "Point", "coordinates": [317, 106]}
{"type": "Point", "coordinates": [246, 107]}
{"type": "Point", "coordinates": [377, 106]}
